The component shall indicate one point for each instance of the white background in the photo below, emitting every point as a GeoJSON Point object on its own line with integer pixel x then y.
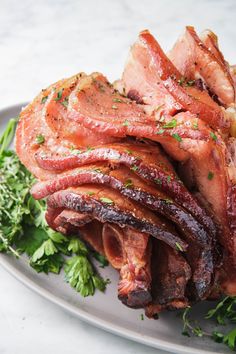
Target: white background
{"type": "Point", "coordinates": [41, 42]}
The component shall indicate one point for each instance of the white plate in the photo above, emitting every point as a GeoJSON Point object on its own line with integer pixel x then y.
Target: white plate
{"type": "Point", "coordinates": [105, 310]}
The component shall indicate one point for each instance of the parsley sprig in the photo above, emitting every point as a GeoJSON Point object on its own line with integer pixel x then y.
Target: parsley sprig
{"type": "Point", "coordinates": [223, 314]}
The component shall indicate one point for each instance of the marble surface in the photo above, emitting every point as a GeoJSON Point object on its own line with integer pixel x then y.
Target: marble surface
{"type": "Point", "coordinates": [41, 42]}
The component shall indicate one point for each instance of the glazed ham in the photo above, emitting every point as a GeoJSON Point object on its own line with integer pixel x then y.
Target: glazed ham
{"type": "Point", "coordinates": [144, 170]}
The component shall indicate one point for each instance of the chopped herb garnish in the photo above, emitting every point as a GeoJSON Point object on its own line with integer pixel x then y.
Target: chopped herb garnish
{"type": "Point", "coordinates": [190, 83]}
{"type": "Point", "coordinates": [168, 201]}
{"type": "Point", "coordinates": [178, 247]}
{"type": "Point", "coordinates": [65, 102]}
{"type": "Point", "coordinates": [195, 125]}
{"type": "Point", "coordinates": [168, 179]}
{"type": "Point", "coordinates": [126, 123]}
{"type": "Point", "coordinates": [213, 136]}
{"type": "Point", "coordinates": [158, 181]}
{"type": "Point", "coordinates": [171, 124]}
{"type": "Point", "coordinates": [142, 317]}
{"type": "Point", "coordinates": [114, 106]}
{"type": "Point", "coordinates": [106, 200]}
{"type": "Point", "coordinates": [76, 152]}
{"type": "Point", "coordinates": [128, 183]}
{"type": "Point", "coordinates": [181, 81]}
{"type": "Point", "coordinates": [134, 168]}
{"type": "Point", "coordinates": [129, 152]}
{"type": "Point", "coordinates": [59, 95]}
{"type": "Point", "coordinates": [44, 99]}
{"type": "Point", "coordinates": [40, 139]}
{"type": "Point", "coordinates": [161, 131]}
{"type": "Point", "coordinates": [98, 170]}
{"type": "Point", "coordinates": [89, 148]}
{"type": "Point", "coordinates": [90, 193]}
{"type": "Point", "coordinates": [210, 175]}
{"type": "Point", "coordinates": [177, 137]}
{"type": "Point", "coordinates": [118, 100]}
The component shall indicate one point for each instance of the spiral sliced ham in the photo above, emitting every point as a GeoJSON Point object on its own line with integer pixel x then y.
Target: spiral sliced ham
{"type": "Point", "coordinates": [107, 159]}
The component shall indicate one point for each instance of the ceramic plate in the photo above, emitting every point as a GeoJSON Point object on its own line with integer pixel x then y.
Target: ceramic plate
{"type": "Point", "coordinates": [105, 310]}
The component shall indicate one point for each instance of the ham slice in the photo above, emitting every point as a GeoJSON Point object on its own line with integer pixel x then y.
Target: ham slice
{"type": "Point", "coordinates": [200, 58]}
{"type": "Point", "coordinates": [161, 84]}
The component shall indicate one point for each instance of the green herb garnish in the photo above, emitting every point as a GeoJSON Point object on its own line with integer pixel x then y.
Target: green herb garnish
{"type": "Point", "coordinates": [190, 83]}
{"type": "Point", "coordinates": [168, 201]}
{"type": "Point", "coordinates": [44, 99]}
{"type": "Point", "coordinates": [39, 139]}
{"type": "Point", "coordinates": [90, 193]}
{"type": "Point", "coordinates": [161, 131]}
{"type": "Point", "coordinates": [171, 124]}
{"type": "Point", "coordinates": [126, 123]}
{"type": "Point", "coordinates": [89, 148]}
{"type": "Point", "coordinates": [65, 102]}
{"type": "Point", "coordinates": [81, 276]}
{"type": "Point", "coordinates": [118, 100]}
{"type": "Point", "coordinates": [8, 135]}
{"type": "Point", "coordinates": [59, 95]}
{"type": "Point", "coordinates": [177, 137]}
{"type": "Point", "coordinates": [98, 170]}
{"type": "Point", "coordinates": [128, 183]}
{"type": "Point", "coordinates": [158, 181]}
{"type": "Point", "coordinates": [195, 125]}
{"type": "Point", "coordinates": [210, 175]}
{"type": "Point", "coordinates": [224, 313]}
{"type": "Point", "coordinates": [213, 136]}
{"type": "Point", "coordinates": [181, 81]}
{"type": "Point", "coordinates": [129, 152]}
{"type": "Point", "coordinates": [76, 152]}
{"type": "Point", "coordinates": [134, 168]}
{"type": "Point", "coordinates": [106, 200]}
{"type": "Point", "coordinates": [178, 247]}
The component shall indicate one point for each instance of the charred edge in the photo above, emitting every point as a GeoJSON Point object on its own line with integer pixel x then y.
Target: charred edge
{"type": "Point", "coordinates": [137, 298]}
{"type": "Point", "coordinates": [179, 193]}
{"type": "Point", "coordinates": [176, 189]}
{"type": "Point", "coordinates": [200, 285]}
{"type": "Point", "coordinates": [111, 214]}
{"type": "Point", "coordinates": [188, 225]}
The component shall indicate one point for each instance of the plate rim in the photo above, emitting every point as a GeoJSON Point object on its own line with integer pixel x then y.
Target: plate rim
{"type": "Point", "coordinates": [94, 320]}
